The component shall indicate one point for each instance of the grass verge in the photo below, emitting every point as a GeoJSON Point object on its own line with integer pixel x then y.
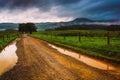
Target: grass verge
{"type": "Point", "coordinates": [92, 47]}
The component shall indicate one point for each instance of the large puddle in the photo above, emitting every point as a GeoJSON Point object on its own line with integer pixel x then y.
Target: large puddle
{"type": "Point", "coordinates": [85, 59]}
{"type": "Point", "coordinates": [8, 58]}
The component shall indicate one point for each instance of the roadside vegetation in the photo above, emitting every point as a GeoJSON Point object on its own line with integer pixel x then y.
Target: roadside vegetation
{"type": "Point", "coordinates": [10, 34]}
{"type": "Point", "coordinates": [6, 38]}
{"type": "Point", "coordinates": [96, 43]}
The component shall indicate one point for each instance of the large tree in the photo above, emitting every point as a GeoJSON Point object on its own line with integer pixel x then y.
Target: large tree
{"type": "Point", "coordinates": [28, 27]}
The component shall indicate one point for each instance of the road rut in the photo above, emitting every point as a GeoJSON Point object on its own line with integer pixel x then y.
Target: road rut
{"type": "Point", "coordinates": [38, 61]}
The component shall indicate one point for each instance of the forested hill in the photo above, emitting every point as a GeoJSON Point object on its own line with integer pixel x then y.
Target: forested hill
{"type": "Point", "coordinates": [4, 26]}
{"type": "Point", "coordinates": [90, 27]}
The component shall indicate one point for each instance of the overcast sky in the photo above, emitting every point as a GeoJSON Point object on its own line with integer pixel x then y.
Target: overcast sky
{"type": "Point", "coordinates": [18, 11]}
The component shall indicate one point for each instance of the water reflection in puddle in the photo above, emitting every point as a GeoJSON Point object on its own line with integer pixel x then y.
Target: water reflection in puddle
{"type": "Point", "coordinates": [87, 60]}
{"type": "Point", "coordinates": [8, 58]}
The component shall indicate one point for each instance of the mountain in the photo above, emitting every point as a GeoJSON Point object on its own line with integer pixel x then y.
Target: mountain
{"type": "Point", "coordinates": [4, 26]}
{"type": "Point", "coordinates": [88, 24]}
{"type": "Point", "coordinates": [80, 20]}
{"type": "Point", "coordinates": [52, 25]}
{"type": "Point", "coordinates": [40, 26]}
{"type": "Point", "coordinates": [48, 25]}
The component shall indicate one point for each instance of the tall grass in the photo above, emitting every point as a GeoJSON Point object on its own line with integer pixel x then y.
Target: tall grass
{"type": "Point", "coordinates": [6, 38]}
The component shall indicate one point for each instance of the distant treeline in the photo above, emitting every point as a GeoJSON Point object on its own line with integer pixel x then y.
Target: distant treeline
{"type": "Point", "coordinates": [90, 27]}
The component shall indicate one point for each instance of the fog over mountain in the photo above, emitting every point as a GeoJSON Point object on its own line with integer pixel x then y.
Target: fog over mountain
{"type": "Point", "coordinates": [48, 14]}
{"type": "Point", "coordinates": [52, 25]}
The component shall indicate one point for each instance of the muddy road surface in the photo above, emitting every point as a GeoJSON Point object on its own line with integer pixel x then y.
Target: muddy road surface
{"type": "Point", "coordinates": [38, 61]}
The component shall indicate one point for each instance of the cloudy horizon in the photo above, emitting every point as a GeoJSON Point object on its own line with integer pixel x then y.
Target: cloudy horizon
{"type": "Point", "coordinates": [20, 11]}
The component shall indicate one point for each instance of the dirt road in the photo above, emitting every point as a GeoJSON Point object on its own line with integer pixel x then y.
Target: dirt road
{"type": "Point", "coordinates": [38, 61]}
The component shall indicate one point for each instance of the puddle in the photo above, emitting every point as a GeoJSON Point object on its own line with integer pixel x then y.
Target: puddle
{"type": "Point", "coordinates": [85, 59]}
{"type": "Point", "coordinates": [8, 58]}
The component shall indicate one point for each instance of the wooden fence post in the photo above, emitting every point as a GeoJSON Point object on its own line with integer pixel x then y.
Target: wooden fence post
{"type": "Point", "coordinates": [7, 36]}
{"type": "Point", "coordinates": [55, 35]}
{"type": "Point", "coordinates": [108, 38]}
{"type": "Point", "coordinates": [79, 36]}
{"type": "Point", "coordinates": [64, 36]}
{"type": "Point", "coordinates": [51, 35]}
{"type": "Point", "coordinates": [3, 37]}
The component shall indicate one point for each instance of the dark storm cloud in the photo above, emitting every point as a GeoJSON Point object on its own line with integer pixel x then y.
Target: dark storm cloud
{"type": "Point", "coordinates": [66, 1]}
{"type": "Point", "coordinates": [107, 6]}
{"type": "Point", "coordinates": [42, 4]}
{"type": "Point", "coordinates": [3, 3]}
{"type": "Point", "coordinates": [24, 4]}
{"type": "Point", "coordinates": [93, 9]}
{"type": "Point", "coordinates": [108, 9]}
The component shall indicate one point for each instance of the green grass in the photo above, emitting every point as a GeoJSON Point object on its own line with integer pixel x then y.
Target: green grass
{"type": "Point", "coordinates": [92, 46]}
{"type": "Point", "coordinates": [8, 37]}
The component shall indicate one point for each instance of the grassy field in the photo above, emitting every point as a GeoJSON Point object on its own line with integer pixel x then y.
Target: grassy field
{"type": "Point", "coordinates": [6, 38]}
{"type": "Point", "coordinates": [92, 43]}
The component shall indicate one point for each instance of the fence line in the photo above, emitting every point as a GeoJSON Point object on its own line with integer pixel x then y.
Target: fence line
{"type": "Point", "coordinates": [79, 35]}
